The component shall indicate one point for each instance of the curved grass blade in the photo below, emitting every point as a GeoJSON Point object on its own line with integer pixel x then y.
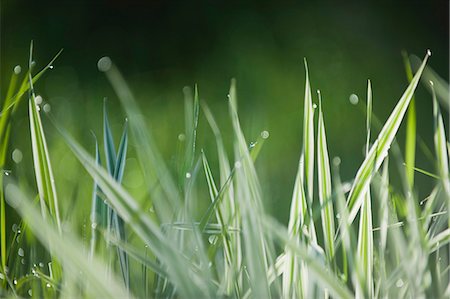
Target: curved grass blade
{"type": "Point", "coordinates": [381, 146]}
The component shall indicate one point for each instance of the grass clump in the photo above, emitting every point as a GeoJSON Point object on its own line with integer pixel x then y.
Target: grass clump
{"type": "Point", "coordinates": [361, 238]}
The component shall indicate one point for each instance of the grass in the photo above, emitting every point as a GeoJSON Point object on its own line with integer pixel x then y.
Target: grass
{"type": "Point", "coordinates": [363, 238]}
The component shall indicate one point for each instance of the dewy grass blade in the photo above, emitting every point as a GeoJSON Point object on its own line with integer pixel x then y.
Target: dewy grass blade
{"type": "Point", "coordinates": [381, 146]}
{"type": "Point", "coordinates": [324, 179]}
{"type": "Point", "coordinates": [66, 248]}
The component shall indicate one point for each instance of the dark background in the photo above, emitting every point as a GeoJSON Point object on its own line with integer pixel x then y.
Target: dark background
{"type": "Point", "coordinates": [162, 46]}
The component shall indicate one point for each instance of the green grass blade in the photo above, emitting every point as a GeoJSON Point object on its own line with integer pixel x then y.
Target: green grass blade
{"type": "Point", "coordinates": [410, 144]}
{"type": "Point", "coordinates": [324, 179]}
{"type": "Point", "coordinates": [380, 147]}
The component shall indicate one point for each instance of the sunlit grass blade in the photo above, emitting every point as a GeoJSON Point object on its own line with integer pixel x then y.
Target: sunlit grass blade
{"type": "Point", "coordinates": [410, 144]}
{"type": "Point", "coordinates": [308, 144]}
{"type": "Point", "coordinates": [43, 170]}
{"type": "Point", "coordinates": [66, 248]}
{"type": "Point", "coordinates": [381, 146]}
{"type": "Point", "coordinates": [324, 180]}
{"type": "Point", "coordinates": [365, 234]}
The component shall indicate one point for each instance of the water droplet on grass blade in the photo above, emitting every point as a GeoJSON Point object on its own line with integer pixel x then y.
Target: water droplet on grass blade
{"type": "Point", "coordinates": [41, 264]}
{"type": "Point", "coordinates": [15, 281]}
{"type": "Point", "coordinates": [50, 67]}
{"type": "Point", "coordinates": [14, 228]}
{"type": "Point", "coordinates": [30, 292]}
{"type": "Point", "coordinates": [188, 175]}
{"type": "Point", "coordinates": [314, 106]}
{"type": "Point", "coordinates": [17, 156]}
{"type": "Point", "coordinates": [429, 53]}
{"type": "Point", "coordinates": [20, 252]}
{"type": "Point", "coordinates": [237, 165]}
{"type": "Point", "coordinates": [399, 283]}
{"type": "Point", "coordinates": [17, 69]}
{"type": "Point", "coordinates": [265, 134]}
{"type": "Point", "coordinates": [48, 285]}
{"type": "Point", "coordinates": [181, 137]}
{"type": "Point", "coordinates": [47, 108]}
{"type": "Point", "coordinates": [353, 99]}
{"type": "Point", "coordinates": [104, 64]}
{"type": "Point", "coordinates": [38, 100]}
{"type": "Point", "coordinates": [336, 161]}
{"type": "Point", "coordinates": [94, 225]}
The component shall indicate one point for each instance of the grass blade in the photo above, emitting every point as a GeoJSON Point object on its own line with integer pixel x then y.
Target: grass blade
{"type": "Point", "coordinates": [381, 146]}
{"type": "Point", "coordinates": [324, 179]}
{"type": "Point", "coordinates": [410, 145]}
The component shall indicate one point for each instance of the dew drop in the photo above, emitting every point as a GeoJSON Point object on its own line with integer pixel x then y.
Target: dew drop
{"type": "Point", "coordinates": [33, 63]}
{"type": "Point", "coordinates": [22, 261]}
{"type": "Point", "coordinates": [338, 216]}
{"type": "Point", "coordinates": [6, 172]}
{"type": "Point", "coordinates": [188, 175]}
{"type": "Point", "coordinates": [15, 281]}
{"type": "Point", "coordinates": [2, 277]}
{"type": "Point", "coordinates": [50, 67]}
{"type": "Point", "coordinates": [252, 144]}
{"type": "Point", "coordinates": [353, 99]}
{"type": "Point", "coordinates": [181, 137]}
{"type": "Point", "coordinates": [17, 156]}
{"type": "Point", "coordinates": [94, 225]}
{"type": "Point", "coordinates": [314, 106]}
{"type": "Point", "coordinates": [14, 228]}
{"type": "Point", "coordinates": [399, 283]}
{"type": "Point", "coordinates": [337, 161]}
{"type": "Point", "coordinates": [17, 69]}
{"type": "Point", "coordinates": [48, 285]}
{"type": "Point", "coordinates": [19, 231]}
{"type": "Point", "coordinates": [237, 165]}
{"type": "Point", "coordinates": [104, 64]}
{"type": "Point", "coordinates": [47, 108]}
{"type": "Point", "coordinates": [429, 53]}
{"type": "Point", "coordinates": [38, 100]}
{"type": "Point", "coordinates": [41, 264]}
{"type": "Point", "coordinates": [265, 134]}
{"type": "Point", "coordinates": [38, 108]}
{"type": "Point", "coordinates": [30, 292]}
{"type": "Point", "coordinates": [20, 252]}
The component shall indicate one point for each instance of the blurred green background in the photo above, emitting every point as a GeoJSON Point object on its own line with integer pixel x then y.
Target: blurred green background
{"type": "Point", "coordinates": [162, 46]}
